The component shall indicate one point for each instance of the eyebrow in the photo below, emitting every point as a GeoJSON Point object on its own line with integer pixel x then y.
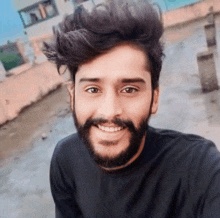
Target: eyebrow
{"type": "Point", "coordinates": [124, 80]}
{"type": "Point", "coordinates": [89, 80]}
{"type": "Point", "coordinates": [132, 80]}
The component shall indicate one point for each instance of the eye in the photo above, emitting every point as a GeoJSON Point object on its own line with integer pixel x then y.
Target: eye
{"type": "Point", "coordinates": [129, 90]}
{"type": "Point", "coordinates": [92, 90]}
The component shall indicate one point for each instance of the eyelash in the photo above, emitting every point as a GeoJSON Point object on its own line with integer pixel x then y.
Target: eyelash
{"type": "Point", "coordinates": [123, 91]}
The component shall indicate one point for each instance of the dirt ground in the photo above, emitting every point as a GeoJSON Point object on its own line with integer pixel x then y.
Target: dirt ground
{"type": "Point", "coordinates": [16, 137]}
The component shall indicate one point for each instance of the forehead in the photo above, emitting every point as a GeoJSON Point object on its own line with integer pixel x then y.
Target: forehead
{"type": "Point", "coordinates": [124, 61]}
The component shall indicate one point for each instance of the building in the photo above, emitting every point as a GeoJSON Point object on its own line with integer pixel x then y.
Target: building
{"type": "Point", "coordinates": [39, 17]}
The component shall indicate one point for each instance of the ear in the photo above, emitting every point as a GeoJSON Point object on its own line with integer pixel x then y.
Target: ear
{"type": "Point", "coordinates": [155, 101]}
{"type": "Point", "coordinates": [70, 87]}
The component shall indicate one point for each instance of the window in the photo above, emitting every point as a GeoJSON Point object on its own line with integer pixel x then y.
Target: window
{"type": "Point", "coordinates": [38, 12]}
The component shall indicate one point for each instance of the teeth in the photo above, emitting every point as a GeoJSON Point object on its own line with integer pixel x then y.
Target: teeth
{"type": "Point", "coordinates": [109, 129]}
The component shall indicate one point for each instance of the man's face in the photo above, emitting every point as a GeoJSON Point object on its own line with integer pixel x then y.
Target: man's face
{"type": "Point", "coordinates": [112, 102]}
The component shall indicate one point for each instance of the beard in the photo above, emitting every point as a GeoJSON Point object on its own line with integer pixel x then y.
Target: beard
{"type": "Point", "coordinates": [121, 159]}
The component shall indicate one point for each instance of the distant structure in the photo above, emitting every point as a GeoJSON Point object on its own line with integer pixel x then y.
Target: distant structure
{"type": "Point", "coordinates": [39, 17]}
{"type": "Point", "coordinates": [9, 48]}
{"type": "Point", "coordinates": [210, 16]}
{"type": "Point", "coordinates": [10, 56]}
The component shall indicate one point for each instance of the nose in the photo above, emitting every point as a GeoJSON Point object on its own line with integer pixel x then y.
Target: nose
{"type": "Point", "coordinates": [110, 106]}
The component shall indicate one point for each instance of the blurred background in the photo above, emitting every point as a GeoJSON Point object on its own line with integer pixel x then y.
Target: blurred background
{"type": "Point", "coordinates": [34, 103]}
{"type": "Point", "coordinates": [24, 24]}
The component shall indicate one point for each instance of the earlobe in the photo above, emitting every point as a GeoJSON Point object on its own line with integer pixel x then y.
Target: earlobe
{"type": "Point", "coordinates": [155, 101]}
{"type": "Point", "coordinates": [70, 86]}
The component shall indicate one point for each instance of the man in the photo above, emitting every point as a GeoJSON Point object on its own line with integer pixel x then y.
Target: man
{"type": "Point", "coordinates": [116, 165]}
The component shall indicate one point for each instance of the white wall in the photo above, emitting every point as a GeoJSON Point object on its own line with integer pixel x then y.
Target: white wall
{"type": "Point", "coordinates": [2, 72]}
{"type": "Point", "coordinates": [64, 7]}
{"type": "Point", "coordinates": [43, 28]}
{"type": "Point", "coordinates": [20, 4]}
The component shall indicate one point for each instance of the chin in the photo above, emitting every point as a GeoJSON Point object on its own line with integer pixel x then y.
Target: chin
{"type": "Point", "coordinates": [110, 150]}
{"type": "Point", "coordinates": [110, 154]}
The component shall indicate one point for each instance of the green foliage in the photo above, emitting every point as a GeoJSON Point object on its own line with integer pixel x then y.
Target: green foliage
{"type": "Point", "coordinates": [10, 60]}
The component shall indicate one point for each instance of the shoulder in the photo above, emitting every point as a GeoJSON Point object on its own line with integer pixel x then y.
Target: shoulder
{"type": "Point", "coordinates": [185, 150]}
{"type": "Point", "coordinates": [67, 148]}
{"type": "Point", "coordinates": [166, 136]}
{"type": "Point", "coordinates": [195, 154]}
{"type": "Point", "coordinates": [68, 142]}
{"type": "Point", "coordinates": [194, 162]}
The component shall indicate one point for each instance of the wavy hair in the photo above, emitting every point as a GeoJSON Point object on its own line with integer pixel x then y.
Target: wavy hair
{"type": "Point", "coordinates": [84, 35]}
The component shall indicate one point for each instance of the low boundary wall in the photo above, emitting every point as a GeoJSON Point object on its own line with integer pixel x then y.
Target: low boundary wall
{"type": "Point", "coordinates": [17, 92]}
{"type": "Point", "coordinates": [190, 12]}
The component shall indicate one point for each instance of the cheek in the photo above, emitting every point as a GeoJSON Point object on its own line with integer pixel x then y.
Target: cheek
{"type": "Point", "coordinates": [83, 109]}
{"type": "Point", "coordinates": [138, 110]}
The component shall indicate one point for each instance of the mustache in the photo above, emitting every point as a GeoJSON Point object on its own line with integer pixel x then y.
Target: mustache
{"type": "Point", "coordinates": [119, 122]}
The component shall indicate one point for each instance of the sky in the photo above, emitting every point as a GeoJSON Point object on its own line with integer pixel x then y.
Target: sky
{"type": "Point", "coordinates": [11, 26]}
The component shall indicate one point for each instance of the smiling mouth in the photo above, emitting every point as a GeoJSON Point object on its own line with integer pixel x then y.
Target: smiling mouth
{"type": "Point", "coordinates": [110, 129]}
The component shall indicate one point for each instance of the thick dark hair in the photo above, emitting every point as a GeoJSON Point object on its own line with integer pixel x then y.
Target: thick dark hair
{"type": "Point", "coordinates": [84, 35]}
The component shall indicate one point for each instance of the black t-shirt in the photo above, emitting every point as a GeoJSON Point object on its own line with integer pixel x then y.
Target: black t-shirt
{"type": "Point", "coordinates": [176, 175]}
